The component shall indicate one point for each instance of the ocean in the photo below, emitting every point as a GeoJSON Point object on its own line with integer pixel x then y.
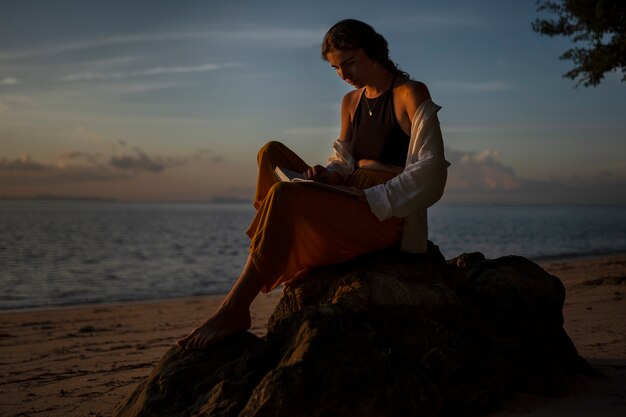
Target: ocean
{"type": "Point", "coordinates": [55, 253]}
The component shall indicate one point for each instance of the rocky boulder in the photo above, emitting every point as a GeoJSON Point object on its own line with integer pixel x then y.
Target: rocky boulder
{"type": "Point", "coordinates": [388, 334]}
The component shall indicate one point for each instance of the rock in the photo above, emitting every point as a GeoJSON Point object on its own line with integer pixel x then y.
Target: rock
{"type": "Point", "coordinates": [466, 261]}
{"type": "Point", "coordinates": [522, 304]}
{"type": "Point", "coordinates": [388, 334]}
{"type": "Point", "coordinates": [214, 382]}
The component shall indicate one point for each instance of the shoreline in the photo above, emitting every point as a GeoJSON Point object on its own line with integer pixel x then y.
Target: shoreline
{"type": "Point", "coordinates": [83, 360]}
{"type": "Point", "coordinates": [572, 257]}
{"type": "Point", "coordinates": [542, 261]}
{"type": "Point", "coordinates": [108, 304]}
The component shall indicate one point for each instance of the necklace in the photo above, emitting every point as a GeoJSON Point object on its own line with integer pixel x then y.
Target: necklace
{"type": "Point", "coordinates": [370, 109]}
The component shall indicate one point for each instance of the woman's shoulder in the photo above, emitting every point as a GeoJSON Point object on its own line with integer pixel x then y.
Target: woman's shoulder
{"type": "Point", "coordinates": [410, 94]}
{"type": "Point", "coordinates": [352, 96]}
{"type": "Point", "coordinates": [350, 100]}
{"type": "Point", "coordinates": [413, 89]}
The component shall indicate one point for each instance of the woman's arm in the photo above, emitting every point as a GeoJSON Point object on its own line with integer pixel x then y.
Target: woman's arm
{"type": "Point", "coordinates": [408, 98]}
{"type": "Point", "coordinates": [340, 163]}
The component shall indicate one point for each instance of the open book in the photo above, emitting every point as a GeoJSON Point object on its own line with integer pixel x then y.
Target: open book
{"type": "Point", "coordinates": [287, 175]}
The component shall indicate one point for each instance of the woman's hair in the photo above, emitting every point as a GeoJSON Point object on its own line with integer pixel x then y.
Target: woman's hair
{"type": "Point", "coordinates": [351, 34]}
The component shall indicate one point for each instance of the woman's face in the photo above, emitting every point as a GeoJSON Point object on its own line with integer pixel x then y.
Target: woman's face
{"type": "Point", "coordinates": [354, 67]}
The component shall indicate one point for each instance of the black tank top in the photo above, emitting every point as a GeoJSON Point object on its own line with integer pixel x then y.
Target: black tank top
{"type": "Point", "coordinates": [378, 136]}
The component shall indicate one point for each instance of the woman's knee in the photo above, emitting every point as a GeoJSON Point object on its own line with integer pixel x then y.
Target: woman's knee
{"type": "Point", "coordinates": [269, 147]}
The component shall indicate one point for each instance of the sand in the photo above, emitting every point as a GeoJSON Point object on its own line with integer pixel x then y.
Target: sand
{"type": "Point", "coordinates": [81, 361]}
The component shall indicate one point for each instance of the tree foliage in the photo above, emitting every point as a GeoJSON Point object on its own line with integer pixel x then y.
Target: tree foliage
{"type": "Point", "coordinates": [600, 25]}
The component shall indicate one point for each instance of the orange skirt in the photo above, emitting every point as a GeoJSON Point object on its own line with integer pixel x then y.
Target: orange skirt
{"type": "Point", "coordinates": [298, 227]}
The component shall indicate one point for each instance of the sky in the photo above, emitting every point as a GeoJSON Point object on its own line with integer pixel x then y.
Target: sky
{"type": "Point", "coordinates": [170, 101]}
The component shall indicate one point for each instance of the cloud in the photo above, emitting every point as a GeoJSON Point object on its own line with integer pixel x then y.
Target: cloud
{"type": "Point", "coordinates": [17, 100]}
{"type": "Point", "coordinates": [537, 128]}
{"type": "Point", "coordinates": [135, 159]}
{"type": "Point", "coordinates": [479, 177]}
{"type": "Point", "coordinates": [203, 155]}
{"type": "Point", "coordinates": [57, 175]}
{"type": "Point", "coordinates": [116, 61]}
{"type": "Point", "coordinates": [426, 21]}
{"type": "Point", "coordinates": [81, 166]}
{"type": "Point", "coordinates": [69, 169]}
{"type": "Point", "coordinates": [480, 171]}
{"type": "Point", "coordinates": [97, 43]}
{"type": "Point", "coordinates": [275, 36]}
{"type": "Point", "coordinates": [138, 162]}
{"type": "Point", "coordinates": [136, 88]}
{"type": "Point", "coordinates": [90, 76]}
{"type": "Point", "coordinates": [489, 86]}
{"type": "Point", "coordinates": [91, 157]}
{"type": "Point", "coordinates": [264, 36]}
{"type": "Point", "coordinates": [9, 81]}
{"type": "Point", "coordinates": [22, 164]}
{"type": "Point", "coordinates": [25, 171]}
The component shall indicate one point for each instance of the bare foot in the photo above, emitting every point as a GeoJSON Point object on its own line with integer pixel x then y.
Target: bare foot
{"type": "Point", "coordinates": [217, 328]}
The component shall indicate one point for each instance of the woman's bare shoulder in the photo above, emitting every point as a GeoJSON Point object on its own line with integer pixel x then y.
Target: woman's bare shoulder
{"type": "Point", "coordinates": [350, 99]}
{"type": "Point", "coordinates": [413, 90]}
{"type": "Point", "coordinates": [411, 94]}
{"type": "Point", "coordinates": [348, 106]}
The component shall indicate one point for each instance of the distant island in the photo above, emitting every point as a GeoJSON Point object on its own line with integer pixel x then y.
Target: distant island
{"type": "Point", "coordinates": [56, 197]}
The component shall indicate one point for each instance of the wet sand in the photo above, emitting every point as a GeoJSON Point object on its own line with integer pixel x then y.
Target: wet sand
{"type": "Point", "coordinates": [81, 361]}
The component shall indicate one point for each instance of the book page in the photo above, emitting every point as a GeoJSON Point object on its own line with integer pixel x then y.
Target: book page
{"type": "Point", "coordinates": [287, 175]}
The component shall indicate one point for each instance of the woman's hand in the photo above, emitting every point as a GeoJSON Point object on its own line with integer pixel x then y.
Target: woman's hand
{"type": "Point", "coordinates": [322, 174]}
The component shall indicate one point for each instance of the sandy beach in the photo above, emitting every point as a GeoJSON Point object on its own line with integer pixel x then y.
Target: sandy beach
{"type": "Point", "coordinates": [81, 361]}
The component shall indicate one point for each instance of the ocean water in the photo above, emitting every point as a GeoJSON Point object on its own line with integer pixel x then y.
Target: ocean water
{"type": "Point", "coordinates": [73, 252]}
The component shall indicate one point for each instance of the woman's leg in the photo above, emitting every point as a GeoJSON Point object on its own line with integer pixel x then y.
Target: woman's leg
{"type": "Point", "coordinates": [299, 227]}
{"type": "Point", "coordinates": [234, 312]}
{"type": "Point", "coordinates": [232, 315]}
{"type": "Point", "coordinates": [271, 155]}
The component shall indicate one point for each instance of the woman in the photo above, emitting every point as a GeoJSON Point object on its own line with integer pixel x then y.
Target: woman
{"type": "Point", "coordinates": [390, 149]}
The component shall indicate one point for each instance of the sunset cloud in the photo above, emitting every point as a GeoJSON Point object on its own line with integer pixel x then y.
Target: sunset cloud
{"type": "Point", "coordinates": [52, 174]}
{"type": "Point", "coordinates": [82, 166]}
{"type": "Point", "coordinates": [90, 76]}
{"type": "Point", "coordinates": [92, 157]}
{"type": "Point", "coordinates": [138, 162]}
{"type": "Point", "coordinates": [22, 164]}
{"type": "Point", "coordinates": [9, 81]}
{"type": "Point", "coordinates": [480, 171]}
{"type": "Point", "coordinates": [270, 36]}
{"type": "Point", "coordinates": [25, 171]}
{"type": "Point", "coordinates": [436, 21]}
{"type": "Point", "coordinates": [479, 176]}
{"type": "Point", "coordinates": [488, 86]}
